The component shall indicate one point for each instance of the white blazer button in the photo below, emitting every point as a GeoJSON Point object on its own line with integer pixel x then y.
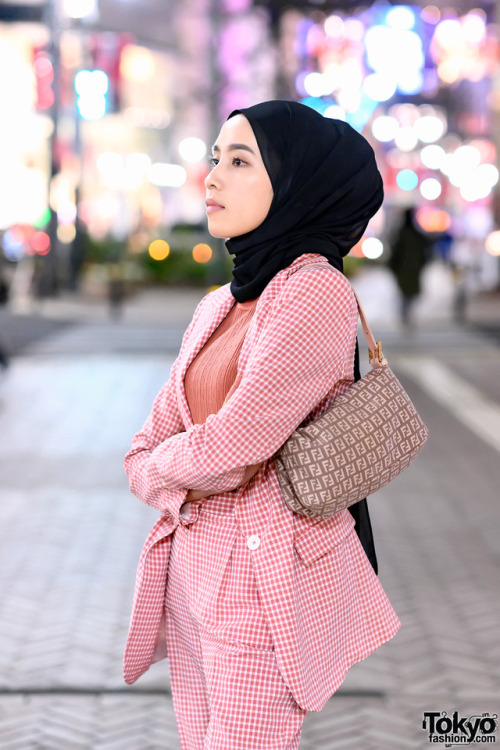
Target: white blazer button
{"type": "Point", "coordinates": [253, 542]}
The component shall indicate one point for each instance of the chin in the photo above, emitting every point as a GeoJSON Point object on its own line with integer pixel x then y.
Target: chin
{"type": "Point", "coordinates": [218, 234]}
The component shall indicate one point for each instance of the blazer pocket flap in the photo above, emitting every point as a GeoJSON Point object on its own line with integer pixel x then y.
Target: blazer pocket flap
{"type": "Point", "coordinates": [321, 537]}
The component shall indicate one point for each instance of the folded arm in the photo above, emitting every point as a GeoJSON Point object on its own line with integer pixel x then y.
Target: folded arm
{"type": "Point", "coordinates": [302, 352]}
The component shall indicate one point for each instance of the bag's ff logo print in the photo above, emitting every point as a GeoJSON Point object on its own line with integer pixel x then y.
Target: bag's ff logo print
{"type": "Point", "coordinates": [454, 731]}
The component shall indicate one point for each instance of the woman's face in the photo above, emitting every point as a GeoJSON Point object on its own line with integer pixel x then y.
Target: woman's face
{"type": "Point", "coordinates": [239, 191]}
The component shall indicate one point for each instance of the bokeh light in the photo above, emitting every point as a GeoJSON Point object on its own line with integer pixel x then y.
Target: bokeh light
{"type": "Point", "coordinates": [192, 150]}
{"type": "Point", "coordinates": [167, 175]}
{"type": "Point", "coordinates": [385, 128]}
{"type": "Point", "coordinates": [406, 139]}
{"type": "Point", "coordinates": [433, 219]}
{"type": "Point", "coordinates": [40, 243]}
{"type": "Point", "coordinates": [334, 26]}
{"type": "Point", "coordinates": [480, 182]}
{"type": "Point", "coordinates": [335, 112]}
{"type": "Point", "coordinates": [379, 86]}
{"type": "Point", "coordinates": [433, 156]}
{"type": "Point", "coordinates": [137, 64]}
{"type": "Point", "coordinates": [66, 233]}
{"type": "Point", "coordinates": [493, 243]}
{"type": "Point", "coordinates": [407, 179]}
{"type": "Point", "coordinates": [429, 128]}
{"type": "Point", "coordinates": [400, 17]}
{"type": "Point", "coordinates": [159, 249]}
{"type": "Point", "coordinates": [372, 248]}
{"type": "Point", "coordinates": [430, 188]}
{"type": "Point", "coordinates": [202, 252]}
{"type": "Point", "coordinates": [80, 8]}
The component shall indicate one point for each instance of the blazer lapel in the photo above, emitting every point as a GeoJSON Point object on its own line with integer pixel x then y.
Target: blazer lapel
{"type": "Point", "coordinates": [214, 316]}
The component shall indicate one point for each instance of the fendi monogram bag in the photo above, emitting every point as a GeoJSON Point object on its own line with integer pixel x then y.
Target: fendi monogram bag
{"type": "Point", "coordinates": [369, 435]}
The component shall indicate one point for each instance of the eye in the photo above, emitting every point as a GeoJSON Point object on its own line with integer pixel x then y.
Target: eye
{"type": "Point", "coordinates": [238, 162]}
{"type": "Point", "coordinates": [213, 161]}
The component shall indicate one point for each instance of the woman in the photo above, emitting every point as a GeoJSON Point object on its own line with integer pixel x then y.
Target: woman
{"type": "Point", "coordinates": [262, 611]}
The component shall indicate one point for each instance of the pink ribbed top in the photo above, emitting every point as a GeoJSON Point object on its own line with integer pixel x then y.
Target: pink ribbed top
{"type": "Point", "coordinates": [213, 371]}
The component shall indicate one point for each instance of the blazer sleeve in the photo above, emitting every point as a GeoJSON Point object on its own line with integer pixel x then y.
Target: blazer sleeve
{"type": "Point", "coordinates": [164, 422]}
{"type": "Point", "coordinates": [306, 346]}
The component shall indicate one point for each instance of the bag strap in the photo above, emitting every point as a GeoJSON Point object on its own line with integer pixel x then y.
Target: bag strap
{"type": "Point", "coordinates": [375, 354]}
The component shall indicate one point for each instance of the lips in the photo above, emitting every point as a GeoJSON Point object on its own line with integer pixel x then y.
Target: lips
{"type": "Point", "coordinates": [213, 206]}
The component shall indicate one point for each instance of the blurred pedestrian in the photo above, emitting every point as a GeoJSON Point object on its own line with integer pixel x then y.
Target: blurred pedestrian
{"type": "Point", "coordinates": [4, 298]}
{"type": "Point", "coordinates": [116, 290]}
{"type": "Point", "coordinates": [411, 249]}
{"type": "Point", "coordinates": [262, 611]}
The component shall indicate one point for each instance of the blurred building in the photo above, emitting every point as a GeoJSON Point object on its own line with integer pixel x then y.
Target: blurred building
{"type": "Point", "coordinates": [109, 109]}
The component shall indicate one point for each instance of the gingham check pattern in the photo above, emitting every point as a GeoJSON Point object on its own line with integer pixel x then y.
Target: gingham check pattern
{"type": "Point", "coordinates": [227, 688]}
{"type": "Point", "coordinates": [325, 606]}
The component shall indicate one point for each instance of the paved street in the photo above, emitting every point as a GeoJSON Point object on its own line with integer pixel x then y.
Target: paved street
{"type": "Point", "coordinates": [71, 532]}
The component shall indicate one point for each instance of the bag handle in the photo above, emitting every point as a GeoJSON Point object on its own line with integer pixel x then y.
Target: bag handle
{"type": "Point", "coordinates": [375, 354]}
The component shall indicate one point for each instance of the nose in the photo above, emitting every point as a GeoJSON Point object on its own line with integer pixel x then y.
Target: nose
{"type": "Point", "coordinates": [212, 179]}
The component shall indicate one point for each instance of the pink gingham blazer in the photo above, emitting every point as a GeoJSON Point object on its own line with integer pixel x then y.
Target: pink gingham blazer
{"type": "Point", "coordinates": [325, 606]}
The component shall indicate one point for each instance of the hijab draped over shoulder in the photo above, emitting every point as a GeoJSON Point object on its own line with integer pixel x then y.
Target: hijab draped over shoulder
{"type": "Point", "coordinates": [326, 188]}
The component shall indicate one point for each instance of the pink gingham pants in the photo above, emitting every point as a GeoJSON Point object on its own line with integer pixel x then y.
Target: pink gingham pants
{"type": "Point", "coordinates": [228, 692]}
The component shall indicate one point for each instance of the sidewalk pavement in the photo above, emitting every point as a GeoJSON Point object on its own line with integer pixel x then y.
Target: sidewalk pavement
{"type": "Point", "coordinates": [71, 534]}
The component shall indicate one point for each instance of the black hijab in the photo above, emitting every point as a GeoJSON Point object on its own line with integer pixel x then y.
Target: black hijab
{"type": "Point", "coordinates": [326, 188]}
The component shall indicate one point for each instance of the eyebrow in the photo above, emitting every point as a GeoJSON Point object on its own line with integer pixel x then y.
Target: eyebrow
{"type": "Point", "coordinates": [235, 147]}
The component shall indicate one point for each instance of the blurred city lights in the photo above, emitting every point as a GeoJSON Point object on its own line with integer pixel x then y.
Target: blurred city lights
{"type": "Point", "coordinates": [159, 249]}
{"type": "Point", "coordinates": [44, 77]}
{"type": "Point", "coordinates": [379, 86]}
{"type": "Point", "coordinates": [430, 14]}
{"type": "Point", "coordinates": [66, 212]}
{"type": "Point", "coordinates": [372, 248]}
{"type": "Point", "coordinates": [192, 150]}
{"type": "Point", "coordinates": [315, 85]}
{"type": "Point", "coordinates": [137, 63]}
{"type": "Point", "coordinates": [397, 54]}
{"type": "Point", "coordinates": [430, 188]}
{"type": "Point", "coordinates": [147, 117]}
{"type": "Point", "coordinates": [407, 179]}
{"type": "Point", "coordinates": [335, 112]}
{"type": "Point", "coordinates": [400, 17]}
{"type": "Point", "coordinates": [449, 33]}
{"type": "Point", "coordinates": [66, 233]}
{"type": "Point", "coordinates": [334, 26]}
{"type": "Point", "coordinates": [474, 26]}
{"type": "Point", "coordinates": [429, 128]}
{"type": "Point", "coordinates": [406, 138]}
{"type": "Point", "coordinates": [13, 244]}
{"type": "Point", "coordinates": [123, 173]}
{"type": "Point", "coordinates": [167, 175]}
{"type": "Point", "coordinates": [91, 87]}
{"type": "Point", "coordinates": [354, 29]}
{"type": "Point", "coordinates": [433, 156]}
{"type": "Point", "coordinates": [42, 219]}
{"type": "Point", "coordinates": [40, 243]}
{"type": "Point", "coordinates": [202, 253]}
{"type": "Point", "coordinates": [349, 100]}
{"type": "Point", "coordinates": [433, 219]}
{"type": "Point", "coordinates": [411, 82]}
{"type": "Point", "coordinates": [493, 243]}
{"type": "Point", "coordinates": [480, 182]}
{"type": "Point", "coordinates": [80, 8]}
{"type": "Point", "coordinates": [384, 128]}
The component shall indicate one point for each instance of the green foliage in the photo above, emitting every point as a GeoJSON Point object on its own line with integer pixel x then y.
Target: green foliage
{"type": "Point", "coordinates": [180, 268]}
{"type": "Point", "coordinates": [107, 250]}
{"type": "Point", "coordinates": [352, 265]}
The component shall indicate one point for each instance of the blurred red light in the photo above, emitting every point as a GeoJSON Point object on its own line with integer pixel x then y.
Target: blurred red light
{"type": "Point", "coordinates": [40, 243]}
{"type": "Point", "coordinates": [43, 68]}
